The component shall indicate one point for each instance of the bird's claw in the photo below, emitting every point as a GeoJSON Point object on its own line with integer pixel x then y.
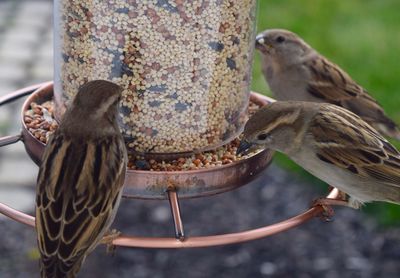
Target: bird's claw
{"type": "Point", "coordinates": [108, 240]}
{"type": "Point", "coordinates": [327, 211]}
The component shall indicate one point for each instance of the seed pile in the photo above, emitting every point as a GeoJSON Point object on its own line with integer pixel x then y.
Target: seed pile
{"type": "Point", "coordinates": [40, 120]}
{"type": "Point", "coordinates": [184, 66]}
{"type": "Point", "coordinates": [225, 154]}
{"type": "Point", "coordinates": [41, 123]}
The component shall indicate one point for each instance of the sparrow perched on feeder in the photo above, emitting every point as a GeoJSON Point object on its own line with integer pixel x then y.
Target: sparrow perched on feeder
{"type": "Point", "coordinates": [80, 180]}
{"type": "Point", "coordinates": [331, 143]}
{"type": "Point", "coordinates": [295, 71]}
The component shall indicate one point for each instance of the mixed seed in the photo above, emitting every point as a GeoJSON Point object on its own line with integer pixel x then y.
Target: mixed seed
{"type": "Point", "coordinates": [184, 66]}
{"type": "Point", "coordinates": [40, 121]}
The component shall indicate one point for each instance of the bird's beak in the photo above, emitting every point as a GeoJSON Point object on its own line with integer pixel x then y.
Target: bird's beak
{"type": "Point", "coordinates": [261, 45]}
{"type": "Point", "coordinates": [260, 42]}
{"type": "Point", "coordinates": [244, 147]}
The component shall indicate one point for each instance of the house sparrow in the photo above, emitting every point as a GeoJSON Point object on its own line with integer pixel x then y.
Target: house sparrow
{"type": "Point", "coordinates": [80, 180]}
{"type": "Point", "coordinates": [331, 143]}
{"type": "Point", "coordinates": [295, 71]}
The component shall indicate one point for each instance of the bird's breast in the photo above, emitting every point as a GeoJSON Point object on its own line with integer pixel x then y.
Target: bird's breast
{"type": "Point", "coordinates": [289, 84]}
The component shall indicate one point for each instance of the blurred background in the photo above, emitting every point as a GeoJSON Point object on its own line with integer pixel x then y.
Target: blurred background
{"type": "Point", "coordinates": [362, 36]}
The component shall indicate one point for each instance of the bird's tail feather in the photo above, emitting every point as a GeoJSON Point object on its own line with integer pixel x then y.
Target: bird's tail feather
{"type": "Point", "coordinates": [56, 268]}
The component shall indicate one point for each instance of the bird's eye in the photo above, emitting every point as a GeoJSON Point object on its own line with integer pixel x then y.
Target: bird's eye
{"type": "Point", "coordinates": [280, 39]}
{"type": "Point", "coordinates": [262, 136]}
{"type": "Point", "coordinates": [117, 101]}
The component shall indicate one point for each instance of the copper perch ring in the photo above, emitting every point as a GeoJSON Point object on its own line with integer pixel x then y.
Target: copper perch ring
{"type": "Point", "coordinates": [173, 193]}
{"type": "Point", "coordinates": [192, 242]}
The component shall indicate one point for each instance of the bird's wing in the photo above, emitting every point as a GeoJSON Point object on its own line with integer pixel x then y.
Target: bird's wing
{"type": "Point", "coordinates": [77, 191]}
{"type": "Point", "coordinates": [343, 139]}
{"type": "Point", "coordinates": [331, 84]}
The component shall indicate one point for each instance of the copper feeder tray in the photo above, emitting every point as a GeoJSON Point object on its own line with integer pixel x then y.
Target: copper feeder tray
{"type": "Point", "coordinates": [141, 184]}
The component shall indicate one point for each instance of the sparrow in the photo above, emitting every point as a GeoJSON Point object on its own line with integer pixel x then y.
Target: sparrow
{"type": "Point", "coordinates": [295, 71]}
{"type": "Point", "coordinates": [331, 143]}
{"type": "Point", "coordinates": [80, 180]}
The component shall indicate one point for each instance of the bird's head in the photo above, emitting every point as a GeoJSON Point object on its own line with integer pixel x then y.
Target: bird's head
{"type": "Point", "coordinates": [274, 126]}
{"type": "Point", "coordinates": [281, 44]}
{"type": "Point", "coordinates": [98, 98]}
{"type": "Point", "coordinates": [96, 103]}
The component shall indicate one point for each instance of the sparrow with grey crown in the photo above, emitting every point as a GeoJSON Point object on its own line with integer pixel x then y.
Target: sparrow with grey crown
{"type": "Point", "coordinates": [331, 143]}
{"type": "Point", "coordinates": [295, 71]}
{"type": "Point", "coordinates": [80, 180]}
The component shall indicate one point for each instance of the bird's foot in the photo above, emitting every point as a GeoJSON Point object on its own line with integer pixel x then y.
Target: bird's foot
{"type": "Point", "coordinates": [109, 238]}
{"type": "Point", "coordinates": [326, 204]}
{"type": "Point", "coordinates": [327, 211]}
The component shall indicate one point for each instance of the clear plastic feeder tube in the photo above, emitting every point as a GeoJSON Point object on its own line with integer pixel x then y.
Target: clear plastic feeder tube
{"type": "Point", "coordinates": [185, 66]}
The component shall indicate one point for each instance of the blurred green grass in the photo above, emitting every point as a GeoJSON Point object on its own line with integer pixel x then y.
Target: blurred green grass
{"type": "Point", "coordinates": [362, 37]}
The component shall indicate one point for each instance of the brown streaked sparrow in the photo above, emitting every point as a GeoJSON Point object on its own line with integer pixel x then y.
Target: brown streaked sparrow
{"type": "Point", "coordinates": [295, 71]}
{"type": "Point", "coordinates": [331, 143]}
{"type": "Point", "coordinates": [80, 180]}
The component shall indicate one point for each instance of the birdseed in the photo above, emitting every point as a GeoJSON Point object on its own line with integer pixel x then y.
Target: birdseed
{"type": "Point", "coordinates": [40, 121]}
{"type": "Point", "coordinates": [185, 66]}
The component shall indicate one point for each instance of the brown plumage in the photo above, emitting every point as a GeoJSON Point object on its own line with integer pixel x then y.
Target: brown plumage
{"type": "Point", "coordinates": [331, 143]}
{"type": "Point", "coordinates": [357, 148]}
{"type": "Point", "coordinates": [295, 71]}
{"type": "Point", "coordinates": [80, 180]}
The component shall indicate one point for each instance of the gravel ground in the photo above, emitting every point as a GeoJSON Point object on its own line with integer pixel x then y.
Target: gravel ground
{"type": "Point", "coordinates": [350, 246]}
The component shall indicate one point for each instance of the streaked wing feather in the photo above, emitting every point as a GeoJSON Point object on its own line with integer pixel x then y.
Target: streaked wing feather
{"type": "Point", "coordinates": [344, 140]}
{"type": "Point", "coordinates": [76, 198]}
{"type": "Point", "coordinates": [331, 84]}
